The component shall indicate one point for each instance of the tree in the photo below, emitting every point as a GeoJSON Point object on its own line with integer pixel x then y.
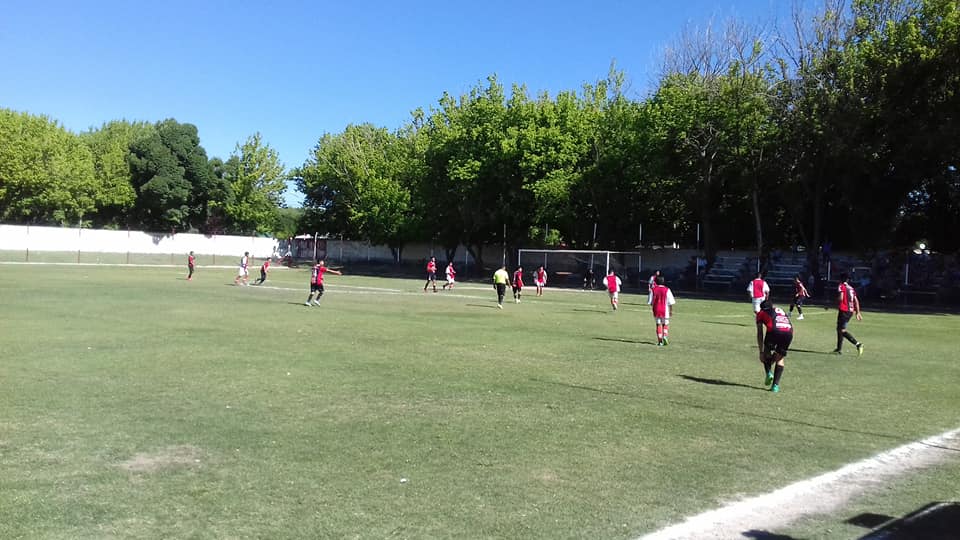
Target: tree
{"type": "Point", "coordinates": [110, 146]}
{"type": "Point", "coordinates": [257, 182]}
{"type": "Point", "coordinates": [46, 172]}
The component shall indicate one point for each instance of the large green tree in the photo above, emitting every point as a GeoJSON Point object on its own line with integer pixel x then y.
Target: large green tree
{"type": "Point", "coordinates": [110, 146]}
{"type": "Point", "coordinates": [257, 182]}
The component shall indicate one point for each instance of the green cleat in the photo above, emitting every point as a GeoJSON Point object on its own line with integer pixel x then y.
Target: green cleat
{"type": "Point", "coordinates": [859, 349]}
{"type": "Point", "coordinates": [665, 341]}
{"type": "Point", "coordinates": [775, 388]}
{"type": "Point", "coordinates": [769, 379]}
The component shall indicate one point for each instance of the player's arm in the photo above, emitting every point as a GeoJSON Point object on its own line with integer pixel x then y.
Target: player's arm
{"type": "Point", "coordinates": [856, 307]}
{"type": "Point", "coordinates": [332, 271]}
{"type": "Point", "coordinates": [760, 337]}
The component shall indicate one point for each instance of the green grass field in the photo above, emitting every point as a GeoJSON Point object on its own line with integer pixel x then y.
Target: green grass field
{"type": "Point", "coordinates": [136, 404]}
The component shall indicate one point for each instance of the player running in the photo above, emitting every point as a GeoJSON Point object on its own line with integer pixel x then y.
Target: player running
{"type": "Point", "coordinates": [517, 283]}
{"type": "Point", "coordinates": [316, 281]}
{"type": "Point", "coordinates": [799, 293]}
{"type": "Point", "coordinates": [451, 277]}
{"type": "Point", "coordinates": [191, 264]}
{"type": "Point", "coordinates": [242, 274]}
{"type": "Point", "coordinates": [613, 288]}
{"type": "Point", "coordinates": [540, 279]}
{"type": "Point", "coordinates": [773, 346]}
{"type": "Point", "coordinates": [758, 291]}
{"type": "Point", "coordinates": [848, 306]}
{"type": "Point", "coordinates": [431, 274]}
{"type": "Point", "coordinates": [661, 300]}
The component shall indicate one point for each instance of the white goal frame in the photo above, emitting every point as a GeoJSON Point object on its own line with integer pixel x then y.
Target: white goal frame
{"type": "Point", "coordinates": [602, 256]}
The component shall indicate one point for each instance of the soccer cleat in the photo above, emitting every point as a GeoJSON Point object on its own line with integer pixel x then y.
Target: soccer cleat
{"type": "Point", "coordinates": [837, 351]}
{"type": "Point", "coordinates": [307, 304]}
{"type": "Point", "coordinates": [316, 302]}
{"type": "Point", "coordinates": [660, 343]}
{"type": "Point", "coordinates": [769, 379]}
{"type": "Point", "coordinates": [859, 349]}
{"type": "Point", "coordinates": [665, 341]}
{"type": "Point", "coordinates": [775, 388]}
{"type": "Point", "coordinates": [800, 318]}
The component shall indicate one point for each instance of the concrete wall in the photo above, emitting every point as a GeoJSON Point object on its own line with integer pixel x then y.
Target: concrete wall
{"type": "Point", "coordinates": [21, 237]}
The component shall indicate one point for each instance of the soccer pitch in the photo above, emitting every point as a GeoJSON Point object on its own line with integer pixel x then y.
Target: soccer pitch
{"type": "Point", "coordinates": [136, 404]}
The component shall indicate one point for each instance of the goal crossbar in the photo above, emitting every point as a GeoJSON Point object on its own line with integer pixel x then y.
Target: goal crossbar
{"type": "Point", "coordinates": [603, 255]}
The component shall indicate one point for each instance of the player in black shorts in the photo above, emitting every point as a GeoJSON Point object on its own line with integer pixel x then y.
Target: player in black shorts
{"type": "Point", "coordinates": [774, 345]}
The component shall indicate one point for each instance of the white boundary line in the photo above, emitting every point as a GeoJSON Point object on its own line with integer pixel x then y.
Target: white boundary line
{"type": "Point", "coordinates": [817, 495]}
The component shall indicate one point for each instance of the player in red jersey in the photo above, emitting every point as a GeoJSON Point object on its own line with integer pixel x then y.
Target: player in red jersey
{"type": "Point", "coordinates": [652, 282]}
{"type": "Point", "coordinates": [242, 274]}
{"type": "Point", "coordinates": [799, 294]}
{"type": "Point", "coordinates": [773, 347]}
{"type": "Point", "coordinates": [612, 281]}
{"type": "Point", "coordinates": [316, 281]}
{"type": "Point", "coordinates": [758, 291]}
{"type": "Point", "coordinates": [661, 300]}
{"type": "Point", "coordinates": [848, 307]}
{"type": "Point", "coordinates": [431, 274]}
{"type": "Point", "coordinates": [191, 264]}
{"type": "Point", "coordinates": [264, 269]}
{"type": "Point", "coordinates": [451, 276]}
{"type": "Point", "coordinates": [517, 283]}
{"type": "Point", "coordinates": [540, 279]}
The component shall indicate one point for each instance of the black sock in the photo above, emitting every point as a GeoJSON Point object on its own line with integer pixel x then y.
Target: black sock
{"type": "Point", "coordinates": [799, 310]}
{"type": "Point", "coordinates": [777, 373]}
{"type": "Point", "coordinates": [767, 365]}
{"type": "Point", "coordinates": [850, 338]}
{"type": "Point", "coordinates": [839, 340]}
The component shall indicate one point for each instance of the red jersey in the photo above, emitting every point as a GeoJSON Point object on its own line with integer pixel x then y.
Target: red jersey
{"type": "Point", "coordinates": [799, 290]}
{"type": "Point", "coordinates": [775, 320]}
{"type": "Point", "coordinates": [661, 298]}
{"type": "Point", "coordinates": [191, 260]}
{"type": "Point", "coordinates": [847, 297]}
{"type": "Point", "coordinates": [431, 267]}
{"type": "Point", "coordinates": [759, 288]}
{"type": "Point", "coordinates": [265, 266]}
{"type": "Point", "coordinates": [613, 283]}
{"type": "Point", "coordinates": [542, 276]}
{"type": "Point", "coordinates": [518, 279]}
{"type": "Point", "coordinates": [317, 276]}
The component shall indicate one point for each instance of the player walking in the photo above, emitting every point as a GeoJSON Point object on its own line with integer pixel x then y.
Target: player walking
{"type": "Point", "coordinates": [773, 347]}
{"type": "Point", "coordinates": [540, 279]}
{"type": "Point", "coordinates": [661, 300]}
{"type": "Point", "coordinates": [264, 269]}
{"type": "Point", "coordinates": [799, 293]}
{"type": "Point", "coordinates": [500, 279]}
{"type": "Point", "coordinates": [242, 274]}
{"type": "Point", "coordinates": [613, 288]}
{"type": "Point", "coordinates": [191, 264]}
{"type": "Point", "coordinates": [451, 276]}
{"type": "Point", "coordinates": [758, 291]}
{"type": "Point", "coordinates": [517, 283]}
{"type": "Point", "coordinates": [848, 307]}
{"type": "Point", "coordinates": [316, 281]}
{"type": "Point", "coordinates": [431, 274]}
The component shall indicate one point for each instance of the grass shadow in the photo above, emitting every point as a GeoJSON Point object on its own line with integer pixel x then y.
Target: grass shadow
{"type": "Point", "coordinates": [622, 340]}
{"type": "Point", "coordinates": [494, 306]}
{"type": "Point", "coordinates": [591, 310]}
{"type": "Point", "coordinates": [810, 352]}
{"type": "Point", "coordinates": [718, 382]}
{"type": "Point", "coordinates": [766, 535]}
{"type": "Point", "coordinates": [726, 323]}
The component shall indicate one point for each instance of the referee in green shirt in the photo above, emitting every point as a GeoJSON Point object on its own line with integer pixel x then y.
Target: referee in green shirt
{"type": "Point", "coordinates": [500, 280]}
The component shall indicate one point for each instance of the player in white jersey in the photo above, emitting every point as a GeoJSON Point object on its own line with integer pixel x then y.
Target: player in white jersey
{"type": "Point", "coordinates": [242, 274]}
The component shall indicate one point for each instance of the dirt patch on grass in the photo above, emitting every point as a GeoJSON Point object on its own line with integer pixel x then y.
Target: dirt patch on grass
{"type": "Point", "coordinates": [171, 457]}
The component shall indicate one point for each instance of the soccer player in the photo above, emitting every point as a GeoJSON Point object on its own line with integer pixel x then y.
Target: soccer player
{"type": "Point", "coordinates": [431, 274]}
{"type": "Point", "coordinates": [517, 283]}
{"type": "Point", "coordinates": [451, 276]}
{"type": "Point", "coordinates": [264, 269]}
{"type": "Point", "coordinates": [613, 288]}
{"type": "Point", "coordinates": [242, 274]}
{"type": "Point", "coordinates": [799, 293]}
{"type": "Point", "coordinates": [500, 279]}
{"type": "Point", "coordinates": [540, 279]}
{"type": "Point", "coordinates": [758, 291]}
{"type": "Point", "coordinates": [191, 264]}
{"type": "Point", "coordinates": [652, 282]}
{"type": "Point", "coordinates": [773, 347]}
{"type": "Point", "coordinates": [661, 300]}
{"type": "Point", "coordinates": [848, 307]}
{"type": "Point", "coordinates": [316, 281]}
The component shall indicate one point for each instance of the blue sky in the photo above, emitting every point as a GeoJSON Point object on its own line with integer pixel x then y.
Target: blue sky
{"type": "Point", "coordinates": [294, 70]}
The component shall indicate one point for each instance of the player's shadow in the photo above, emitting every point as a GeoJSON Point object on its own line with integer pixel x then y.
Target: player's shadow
{"type": "Point", "coordinates": [766, 535]}
{"type": "Point", "coordinates": [717, 382]}
{"type": "Point", "coordinates": [726, 323]}
{"type": "Point", "coordinates": [622, 340]}
{"type": "Point", "coordinates": [491, 306]}
{"type": "Point", "coordinates": [591, 310]}
{"type": "Point", "coordinates": [809, 351]}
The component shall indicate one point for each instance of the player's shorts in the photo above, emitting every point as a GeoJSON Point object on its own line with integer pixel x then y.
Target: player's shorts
{"type": "Point", "coordinates": [843, 317]}
{"type": "Point", "coordinates": [517, 288]}
{"type": "Point", "coordinates": [798, 300]}
{"type": "Point", "coordinates": [431, 276]}
{"type": "Point", "coordinates": [777, 342]}
{"type": "Point", "coordinates": [756, 304]}
{"type": "Point", "coordinates": [241, 272]}
{"type": "Point", "coordinates": [541, 283]}
{"type": "Point", "coordinates": [450, 280]}
{"type": "Point", "coordinates": [615, 295]}
{"type": "Point", "coordinates": [316, 287]}
{"type": "Point", "coordinates": [662, 320]}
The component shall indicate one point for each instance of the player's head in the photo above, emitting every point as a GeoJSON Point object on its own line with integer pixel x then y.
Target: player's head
{"type": "Point", "coordinates": [320, 262]}
{"type": "Point", "coordinates": [765, 305]}
{"type": "Point", "coordinates": [191, 252]}
{"type": "Point", "coordinates": [796, 278]}
{"type": "Point", "coordinates": [759, 274]}
{"type": "Point", "coordinates": [541, 267]}
{"type": "Point", "coordinates": [519, 269]}
{"type": "Point", "coordinates": [660, 280]}
{"type": "Point", "coordinates": [433, 258]}
{"type": "Point", "coordinates": [844, 277]}
{"type": "Point", "coordinates": [246, 253]}
{"type": "Point", "coordinates": [610, 272]}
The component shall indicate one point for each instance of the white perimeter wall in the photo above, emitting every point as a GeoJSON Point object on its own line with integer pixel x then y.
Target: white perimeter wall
{"type": "Point", "coordinates": [21, 237]}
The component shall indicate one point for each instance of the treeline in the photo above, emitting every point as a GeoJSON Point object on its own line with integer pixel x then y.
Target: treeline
{"type": "Point", "coordinates": [155, 177]}
{"type": "Point", "coordinates": [841, 126]}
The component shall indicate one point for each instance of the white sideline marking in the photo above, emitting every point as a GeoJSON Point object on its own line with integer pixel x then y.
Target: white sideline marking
{"type": "Point", "coordinates": [817, 495]}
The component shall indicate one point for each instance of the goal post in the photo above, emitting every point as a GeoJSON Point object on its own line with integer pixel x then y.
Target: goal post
{"type": "Point", "coordinates": [573, 266]}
